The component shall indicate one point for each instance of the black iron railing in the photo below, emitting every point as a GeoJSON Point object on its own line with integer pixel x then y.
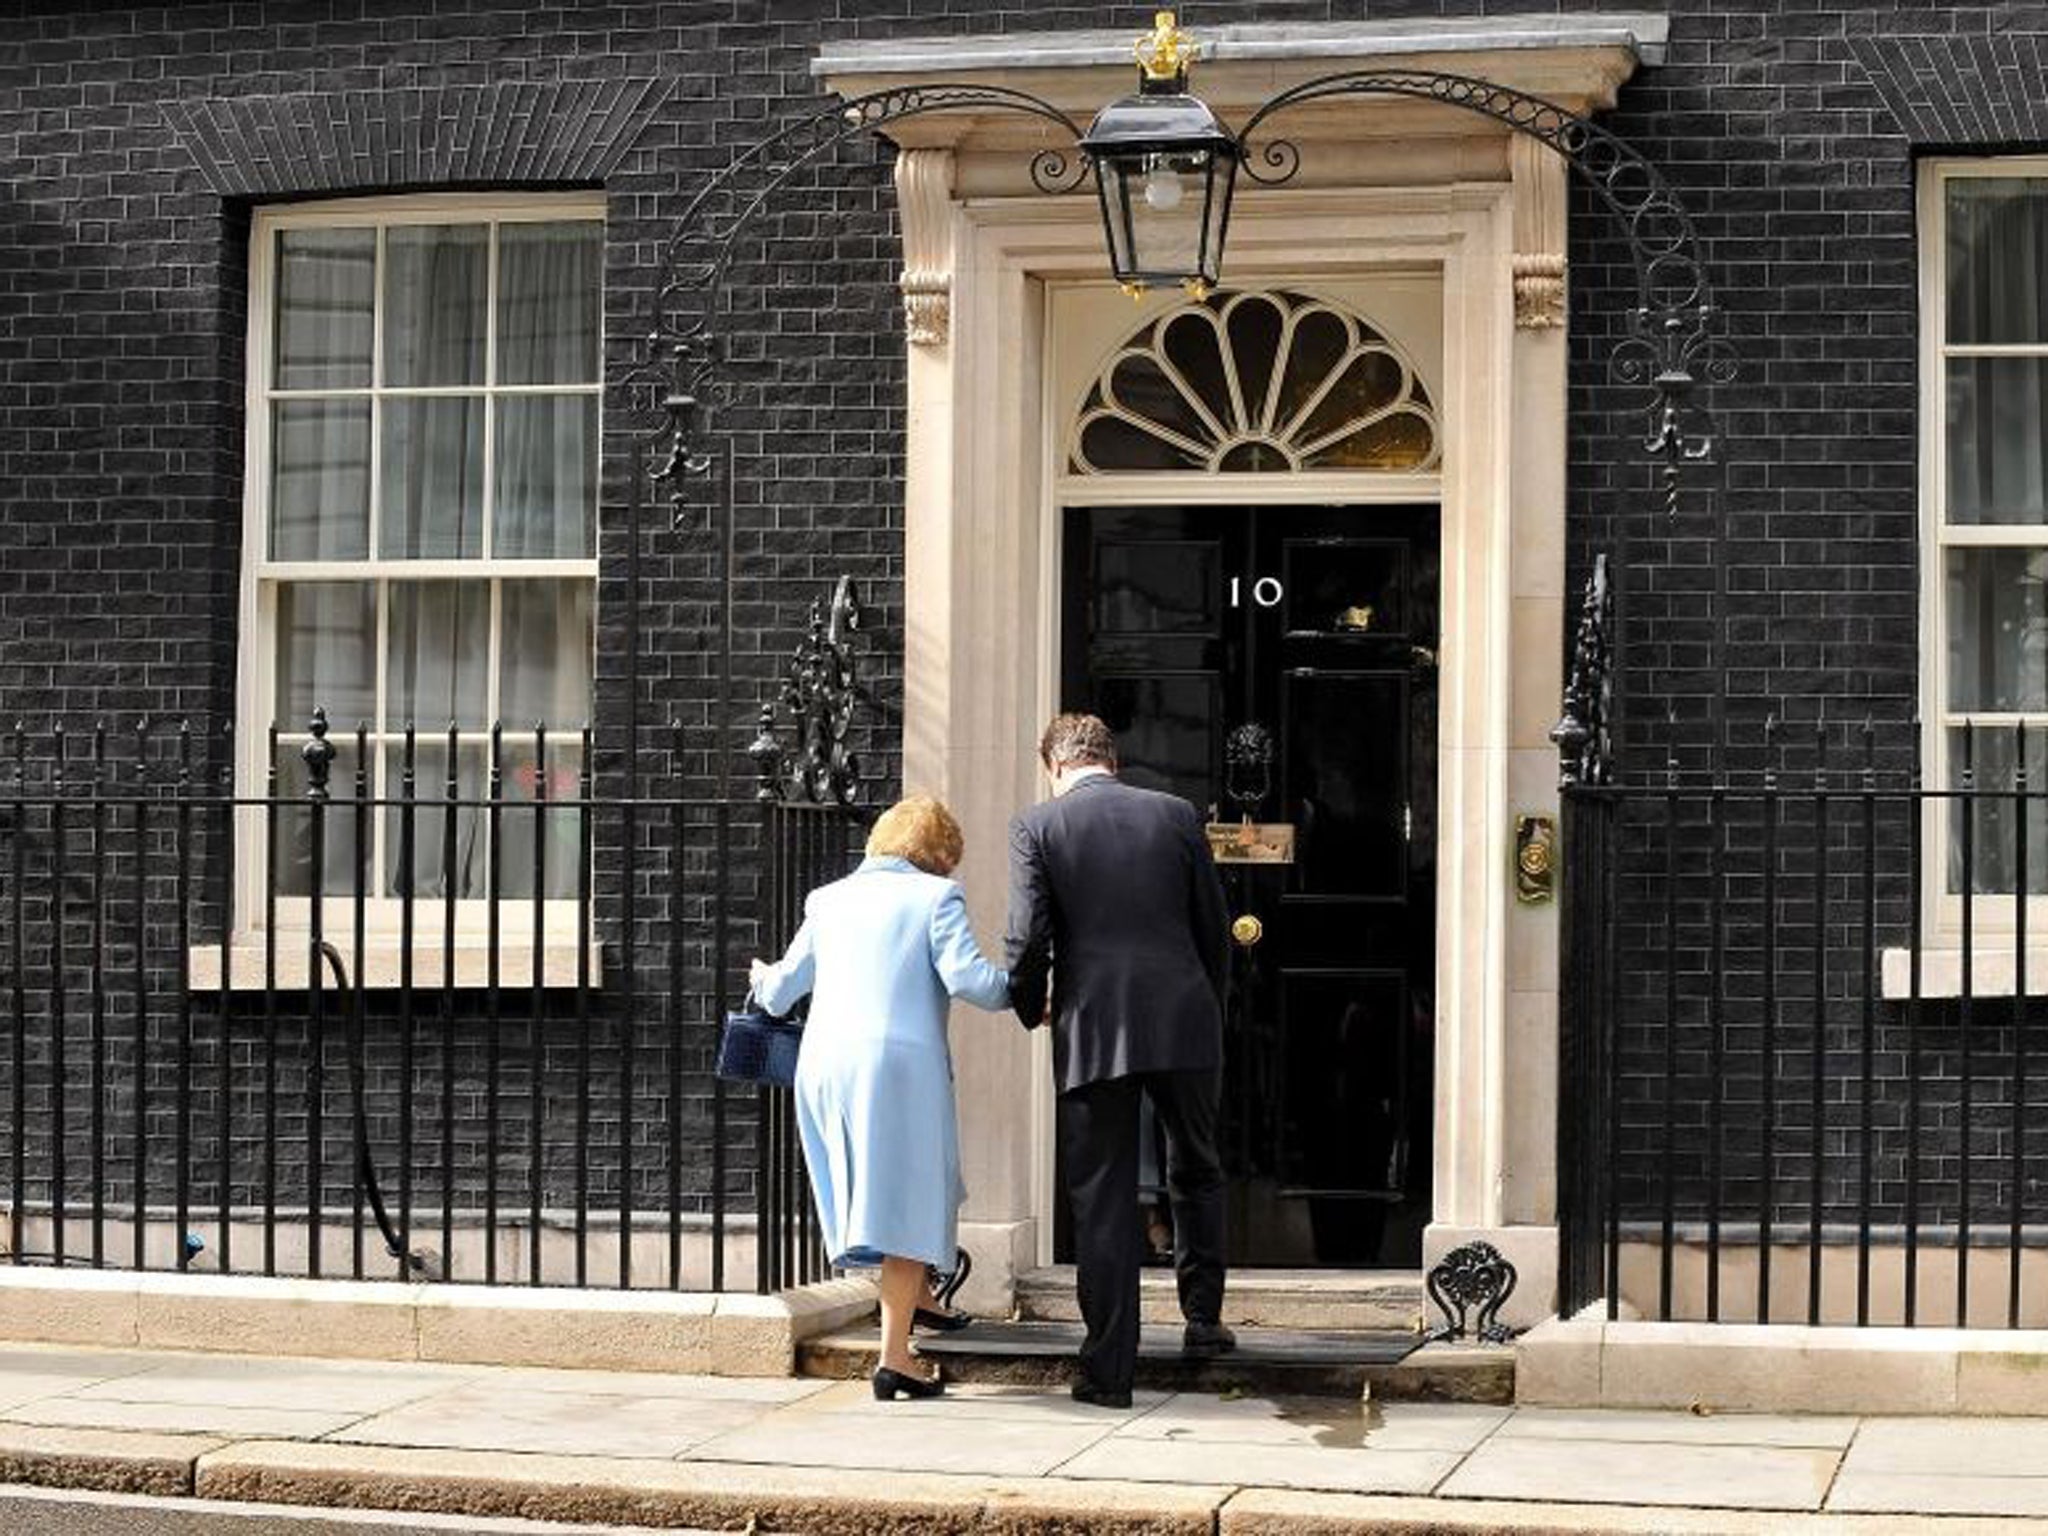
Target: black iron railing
{"type": "Point", "coordinates": [1801, 1030]}
{"type": "Point", "coordinates": [423, 1005]}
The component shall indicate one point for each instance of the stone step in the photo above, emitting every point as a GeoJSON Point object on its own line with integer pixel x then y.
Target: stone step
{"type": "Point", "coordinates": [1267, 1362]}
{"type": "Point", "coordinates": [1341, 1299]}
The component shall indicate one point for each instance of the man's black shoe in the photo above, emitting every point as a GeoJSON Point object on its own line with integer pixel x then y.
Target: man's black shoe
{"type": "Point", "coordinates": [1100, 1397]}
{"type": "Point", "coordinates": [1204, 1339]}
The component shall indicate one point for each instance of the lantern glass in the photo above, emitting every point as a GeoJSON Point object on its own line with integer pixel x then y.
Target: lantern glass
{"type": "Point", "coordinates": [1164, 211]}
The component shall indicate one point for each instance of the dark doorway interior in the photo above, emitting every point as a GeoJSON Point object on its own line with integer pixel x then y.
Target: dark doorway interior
{"type": "Point", "coordinates": [1320, 624]}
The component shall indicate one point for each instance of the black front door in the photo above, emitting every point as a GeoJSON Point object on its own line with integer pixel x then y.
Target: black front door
{"type": "Point", "coordinates": [1318, 624]}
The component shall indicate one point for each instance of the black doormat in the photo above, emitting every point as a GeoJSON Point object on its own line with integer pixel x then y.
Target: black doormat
{"type": "Point", "coordinates": [1161, 1342]}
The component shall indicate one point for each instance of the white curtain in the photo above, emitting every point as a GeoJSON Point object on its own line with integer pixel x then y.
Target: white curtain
{"type": "Point", "coordinates": [1997, 406]}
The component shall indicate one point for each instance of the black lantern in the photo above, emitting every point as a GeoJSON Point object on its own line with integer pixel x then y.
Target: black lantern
{"type": "Point", "coordinates": [1164, 167]}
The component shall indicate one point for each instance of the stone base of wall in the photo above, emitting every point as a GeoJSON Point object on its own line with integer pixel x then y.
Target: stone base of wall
{"type": "Point", "coordinates": [1782, 1368]}
{"type": "Point", "coordinates": [687, 1332]}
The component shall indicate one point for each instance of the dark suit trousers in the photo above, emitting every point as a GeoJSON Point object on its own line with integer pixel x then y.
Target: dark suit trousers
{"type": "Point", "coordinates": [1098, 1125]}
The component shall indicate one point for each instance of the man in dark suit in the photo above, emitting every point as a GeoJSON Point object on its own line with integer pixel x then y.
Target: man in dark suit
{"type": "Point", "coordinates": [1116, 909]}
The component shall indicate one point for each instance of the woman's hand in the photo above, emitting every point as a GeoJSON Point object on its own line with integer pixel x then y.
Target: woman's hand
{"type": "Point", "coordinates": [758, 972]}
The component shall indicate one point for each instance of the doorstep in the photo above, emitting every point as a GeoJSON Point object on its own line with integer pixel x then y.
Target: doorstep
{"type": "Point", "coordinates": [726, 1334]}
{"type": "Point", "coordinates": [1253, 1298]}
{"type": "Point", "coordinates": [1782, 1368]}
{"type": "Point", "coordinates": [1268, 1361]}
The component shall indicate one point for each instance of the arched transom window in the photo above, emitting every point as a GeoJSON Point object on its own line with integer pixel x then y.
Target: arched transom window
{"type": "Point", "coordinates": [1256, 382]}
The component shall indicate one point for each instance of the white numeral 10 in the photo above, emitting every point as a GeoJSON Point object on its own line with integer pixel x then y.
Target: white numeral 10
{"type": "Point", "coordinates": [1266, 592]}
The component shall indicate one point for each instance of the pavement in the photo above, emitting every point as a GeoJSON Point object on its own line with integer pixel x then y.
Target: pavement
{"type": "Point", "coordinates": [724, 1453]}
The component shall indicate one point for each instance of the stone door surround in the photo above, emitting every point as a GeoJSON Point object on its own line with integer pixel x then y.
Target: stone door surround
{"type": "Point", "coordinates": [1386, 187]}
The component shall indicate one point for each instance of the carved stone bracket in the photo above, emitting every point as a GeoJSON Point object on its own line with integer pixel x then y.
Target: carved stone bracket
{"type": "Point", "coordinates": [1539, 179]}
{"type": "Point", "coordinates": [1539, 292]}
{"type": "Point", "coordinates": [924, 203]}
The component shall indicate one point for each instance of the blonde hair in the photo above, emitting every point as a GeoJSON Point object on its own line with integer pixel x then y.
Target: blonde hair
{"type": "Point", "coordinates": [918, 828]}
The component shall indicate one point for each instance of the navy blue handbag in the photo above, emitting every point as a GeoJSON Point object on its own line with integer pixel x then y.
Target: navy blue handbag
{"type": "Point", "coordinates": [757, 1047]}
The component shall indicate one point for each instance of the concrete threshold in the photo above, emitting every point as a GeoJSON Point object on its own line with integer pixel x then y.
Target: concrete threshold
{"type": "Point", "coordinates": [1782, 1368]}
{"type": "Point", "coordinates": [800, 1501]}
{"type": "Point", "coordinates": [694, 1333]}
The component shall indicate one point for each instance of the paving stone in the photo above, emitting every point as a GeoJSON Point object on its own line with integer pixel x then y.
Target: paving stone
{"type": "Point", "coordinates": [86, 1364]}
{"type": "Point", "coordinates": [1264, 1466]}
{"type": "Point", "coordinates": [1677, 1428]}
{"type": "Point", "coordinates": [487, 1418]}
{"type": "Point", "coordinates": [912, 1443]}
{"type": "Point", "coordinates": [17, 1387]}
{"type": "Point", "coordinates": [193, 1418]}
{"type": "Point", "coordinates": [1033, 1405]}
{"type": "Point", "coordinates": [1921, 1493]}
{"type": "Point", "coordinates": [738, 1389]}
{"type": "Point", "coordinates": [1637, 1472]}
{"type": "Point", "coordinates": [259, 1382]}
{"type": "Point", "coordinates": [1330, 1423]}
{"type": "Point", "coordinates": [1951, 1447]}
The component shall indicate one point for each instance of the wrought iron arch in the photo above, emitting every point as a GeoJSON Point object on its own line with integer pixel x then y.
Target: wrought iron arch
{"type": "Point", "coordinates": [1673, 340]}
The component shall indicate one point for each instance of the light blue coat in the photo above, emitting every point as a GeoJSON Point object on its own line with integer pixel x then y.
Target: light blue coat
{"type": "Point", "coordinates": [881, 952]}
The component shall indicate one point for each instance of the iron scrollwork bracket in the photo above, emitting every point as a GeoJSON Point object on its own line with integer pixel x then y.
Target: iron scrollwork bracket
{"type": "Point", "coordinates": [1470, 1285]}
{"type": "Point", "coordinates": [821, 693]}
{"type": "Point", "coordinates": [1673, 342]}
{"type": "Point", "coordinates": [690, 367]}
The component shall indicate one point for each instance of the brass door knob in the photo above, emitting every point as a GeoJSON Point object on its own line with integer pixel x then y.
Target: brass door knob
{"type": "Point", "coordinates": [1247, 931]}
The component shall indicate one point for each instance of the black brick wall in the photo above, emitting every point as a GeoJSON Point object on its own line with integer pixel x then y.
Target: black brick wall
{"type": "Point", "coordinates": [133, 140]}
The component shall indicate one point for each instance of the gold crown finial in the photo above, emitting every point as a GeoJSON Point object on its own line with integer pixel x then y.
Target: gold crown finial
{"type": "Point", "coordinates": [1167, 52]}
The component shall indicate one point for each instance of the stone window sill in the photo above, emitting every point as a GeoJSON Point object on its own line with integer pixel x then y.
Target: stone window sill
{"type": "Point", "coordinates": [1993, 970]}
{"type": "Point", "coordinates": [383, 971]}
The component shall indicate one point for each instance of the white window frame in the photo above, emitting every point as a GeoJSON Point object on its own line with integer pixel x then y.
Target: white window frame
{"type": "Point", "coordinates": [1991, 913]}
{"type": "Point", "coordinates": [256, 668]}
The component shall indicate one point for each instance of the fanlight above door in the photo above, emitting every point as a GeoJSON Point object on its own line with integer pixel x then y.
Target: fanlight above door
{"type": "Point", "coordinates": [1256, 383]}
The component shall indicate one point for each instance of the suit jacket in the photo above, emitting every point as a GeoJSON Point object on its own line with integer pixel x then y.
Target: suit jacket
{"type": "Point", "coordinates": [1114, 899]}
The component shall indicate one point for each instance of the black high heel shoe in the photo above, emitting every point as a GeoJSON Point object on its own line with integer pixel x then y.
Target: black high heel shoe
{"type": "Point", "coordinates": [939, 1322]}
{"type": "Point", "coordinates": [888, 1384]}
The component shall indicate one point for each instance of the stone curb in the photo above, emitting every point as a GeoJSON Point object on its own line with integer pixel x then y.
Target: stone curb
{"type": "Point", "coordinates": [101, 1460]}
{"type": "Point", "coordinates": [1278, 1512]}
{"type": "Point", "coordinates": [719, 1496]}
{"type": "Point", "coordinates": [804, 1501]}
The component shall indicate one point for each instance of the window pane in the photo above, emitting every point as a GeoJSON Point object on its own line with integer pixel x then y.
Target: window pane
{"type": "Point", "coordinates": [435, 293]}
{"type": "Point", "coordinates": [325, 278]}
{"type": "Point", "coordinates": [1997, 259]}
{"type": "Point", "coordinates": [545, 657]}
{"type": "Point", "coordinates": [320, 480]}
{"type": "Point", "coordinates": [437, 656]}
{"type": "Point", "coordinates": [433, 479]}
{"type": "Point", "coordinates": [550, 283]}
{"type": "Point", "coordinates": [326, 652]}
{"type": "Point", "coordinates": [433, 859]}
{"type": "Point", "coordinates": [1997, 630]}
{"type": "Point", "coordinates": [1997, 425]}
{"type": "Point", "coordinates": [1992, 859]}
{"type": "Point", "coordinates": [337, 860]}
{"type": "Point", "coordinates": [547, 477]}
{"type": "Point", "coordinates": [555, 856]}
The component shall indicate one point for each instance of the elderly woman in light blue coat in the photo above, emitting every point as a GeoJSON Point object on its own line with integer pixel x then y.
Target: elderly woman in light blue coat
{"type": "Point", "coordinates": [881, 952]}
